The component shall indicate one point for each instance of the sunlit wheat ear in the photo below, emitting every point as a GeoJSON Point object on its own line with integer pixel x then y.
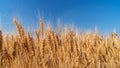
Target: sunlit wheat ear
{"type": "Point", "coordinates": [41, 27]}
{"type": "Point", "coordinates": [30, 43]}
{"type": "Point", "coordinates": [0, 41]}
{"type": "Point", "coordinates": [42, 47]}
{"type": "Point", "coordinates": [59, 30]}
{"type": "Point", "coordinates": [37, 34]}
{"type": "Point", "coordinates": [19, 28]}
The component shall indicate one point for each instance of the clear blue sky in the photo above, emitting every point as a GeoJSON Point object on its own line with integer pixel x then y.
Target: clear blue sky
{"type": "Point", "coordinates": [84, 14]}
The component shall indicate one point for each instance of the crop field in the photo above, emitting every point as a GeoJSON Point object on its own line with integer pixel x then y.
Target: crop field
{"type": "Point", "coordinates": [62, 49]}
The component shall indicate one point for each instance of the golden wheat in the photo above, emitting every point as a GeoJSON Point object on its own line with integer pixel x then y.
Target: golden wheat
{"type": "Point", "coordinates": [66, 49]}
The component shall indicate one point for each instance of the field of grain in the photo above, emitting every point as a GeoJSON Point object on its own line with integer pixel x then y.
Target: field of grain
{"type": "Point", "coordinates": [62, 49]}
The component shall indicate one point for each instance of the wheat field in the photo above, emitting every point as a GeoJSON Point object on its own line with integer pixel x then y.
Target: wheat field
{"type": "Point", "coordinates": [62, 49]}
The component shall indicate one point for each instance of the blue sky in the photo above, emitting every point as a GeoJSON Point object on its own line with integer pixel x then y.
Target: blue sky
{"type": "Point", "coordinates": [83, 14]}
